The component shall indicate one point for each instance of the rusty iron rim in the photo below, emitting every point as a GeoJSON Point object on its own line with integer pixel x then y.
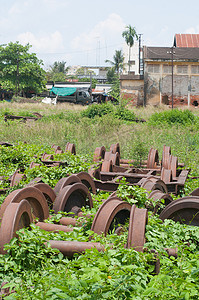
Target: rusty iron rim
{"type": "Point", "coordinates": [35, 198]}
{"type": "Point", "coordinates": [113, 210]}
{"type": "Point", "coordinates": [158, 196]}
{"type": "Point", "coordinates": [70, 147]}
{"type": "Point", "coordinates": [173, 165]}
{"type": "Point", "coordinates": [107, 166]}
{"type": "Point", "coordinates": [16, 178]}
{"type": "Point", "coordinates": [166, 175]}
{"type": "Point", "coordinates": [95, 172]}
{"type": "Point", "coordinates": [153, 159]}
{"type": "Point", "coordinates": [137, 226]}
{"type": "Point", "coordinates": [88, 181]}
{"type": "Point", "coordinates": [46, 157]}
{"type": "Point", "coordinates": [115, 148]}
{"type": "Point", "coordinates": [115, 157]}
{"type": "Point", "coordinates": [150, 185]}
{"type": "Point", "coordinates": [66, 181]}
{"type": "Point", "coordinates": [76, 195]}
{"type": "Point", "coordinates": [184, 210]}
{"type": "Point", "coordinates": [195, 192]}
{"type": "Point", "coordinates": [99, 153]}
{"type": "Point", "coordinates": [166, 156]}
{"type": "Point", "coordinates": [16, 216]}
{"type": "Point", "coordinates": [47, 191]}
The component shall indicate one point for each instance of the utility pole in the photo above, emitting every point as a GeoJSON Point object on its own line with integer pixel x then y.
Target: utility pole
{"type": "Point", "coordinates": [140, 37]}
{"type": "Point", "coordinates": [172, 52]}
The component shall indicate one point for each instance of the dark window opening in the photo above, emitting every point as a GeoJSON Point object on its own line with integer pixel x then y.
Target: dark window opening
{"type": "Point", "coordinates": [165, 100]}
{"type": "Point", "coordinates": [195, 103]}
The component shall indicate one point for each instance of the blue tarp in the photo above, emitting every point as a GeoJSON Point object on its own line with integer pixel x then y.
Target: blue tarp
{"type": "Point", "coordinates": [63, 91]}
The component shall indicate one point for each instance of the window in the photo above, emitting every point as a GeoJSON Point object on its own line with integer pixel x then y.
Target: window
{"type": "Point", "coordinates": [195, 69]}
{"type": "Point", "coordinates": [153, 68]}
{"type": "Point", "coordinates": [182, 69]}
{"type": "Point", "coordinates": [167, 68]}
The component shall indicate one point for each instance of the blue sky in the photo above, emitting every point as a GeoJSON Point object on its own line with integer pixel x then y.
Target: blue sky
{"type": "Point", "coordinates": [88, 32]}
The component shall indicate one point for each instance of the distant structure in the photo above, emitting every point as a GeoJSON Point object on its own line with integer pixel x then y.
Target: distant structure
{"type": "Point", "coordinates": [186, 41]}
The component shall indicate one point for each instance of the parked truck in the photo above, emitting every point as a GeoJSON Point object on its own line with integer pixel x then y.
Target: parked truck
{"type": "Point", "coordinates": [71, 94]}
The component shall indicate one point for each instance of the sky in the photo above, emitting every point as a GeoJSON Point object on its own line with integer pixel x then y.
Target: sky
{"type": "Point", "coordinates": [87, 32]}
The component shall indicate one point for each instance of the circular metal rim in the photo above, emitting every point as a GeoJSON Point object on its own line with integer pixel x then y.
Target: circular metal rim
{"type": "Point", "coordinates": [11, 219]}
{"type": "Point", "coordinates": [47, 191]}
{"type": "Point", "coordinates": [108, 210]}
{"type": "Point", "coordinates": [71, 148]}
{"type": "Point", "coordinates": [66, 192]}
{"type": "Point", "coordinates": [115, 157]}
{"type": "Point", "coordinates": [99, 153]}
{"type": "Point", "coordinates": [153, 159]}
{"type": "Point", "coordinates": [95, 172]}
{"type": "Point", "coordinates": [137, 227]}
{"type": "Point", "coordinates": [115, 148]}
{"type": "Point", "coordinates": [66, 181]}
{"type": "Point", "coordinates": [195, 193]}
{"type": "Point", "coordinates": [189, 202]}
{"type": "Point", "coordinates": [35, 198]}
{"type": "Point", "coordinates": [166, 175]}
{"type": "Point", "coordinates": [173, 165]}
{"type": "Point", "coordinates": [107, 166]}
{"type": "Point", "coordinates": [87, 180]}
{"type": "Point", "coordinates": [16, 178]}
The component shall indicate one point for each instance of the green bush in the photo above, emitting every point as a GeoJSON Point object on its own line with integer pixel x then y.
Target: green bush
{"type": "Point", "coordinates": [172, 117]}
{"type": "Point", "coordinates": [100, 110]}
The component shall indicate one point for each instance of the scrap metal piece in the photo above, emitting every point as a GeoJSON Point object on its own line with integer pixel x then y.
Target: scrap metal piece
{"type": "Point", "coordinates": [166, 156]}
{"type": "Point", "coordinates": [153, 159]}
{"type": "Point", "coordinates": [115, 148]}
{"type": "Point", "coordinates": [88, 181]}
{"type": "Point", "coordinates": [99, 153]}
{"type": "Point", "coordinates": [76, 195]}
{"type": "Point", "coordinates": [35, 198]}
{"type": "Point", "coordinates": [166, 175]}
{"type": "Point", "coordinates": [16, 216]}
{"type": "Point", "coordinates": [107, 166]}
{"type": "Point", "coordinates": [184, 210]}
{"type": "Point", "coordinates": [137, 225]}
{"type": "Point", "coordinates": [111, 214]}
{"type": "Point", "coordinates": [53, 227]}
{"type": "Point", "coordinates": [71, 148]}
{"type": "Point", "coordinates": [66, 181]}
{"type": "Point", "coordinates": [47, 191]}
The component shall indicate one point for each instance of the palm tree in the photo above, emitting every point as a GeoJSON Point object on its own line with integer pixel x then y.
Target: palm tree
{"type": "Point", "coordinates": [129, 35]}
{"type": "Point", "coordinates": [118, 61]}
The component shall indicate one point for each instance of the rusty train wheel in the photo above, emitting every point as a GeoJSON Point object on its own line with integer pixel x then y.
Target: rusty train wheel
{"type": "Point", "coordinates": [184, 210]}
{"type": "Point", "coordinates": [33, 196]}
{"type": "Point", "coordinates": [158, 195]}
{"type": "Point", "coordinates": [76, 195]}
{"type": "Point", "coordinates": [88, 181]}
{"type": "Point", "coordinates": [16, 178]}
{"type": "Point", "coordinates": [112, 213]}
{"type": "Point", "coordinates": [70, 148]}
{"type": "Point", "coordinates": [166, 156]}
{"type": "Point", "coordinates": [151, 185]}
{"type": "Point", "coordinates": [137, 224]}
{"type": "Point", "coordinates": [16, 216]}
{"type": "Point", "coordinates": [115, 148]}
{"type": "Point", "coordinates": [166, 175]}
{"type": "Point", "coordinates": [153, 159]}
{"type": "Point", "coordinates": [99, 153]}
{"type": "Point", "coordinates": [107, 166]}
{"type": "Point", "coordinates": [173, 165]}
{"type": "Point", "coordinates": [94, 172]}
{"type": "Point", "coordinates": [66, 181]}
{"type": "Point", "coordinates": [195, 192]}
{"type": "Point", "coordinates": [47, 191]}
{"type": "Point", "coordinates": [115, 157]}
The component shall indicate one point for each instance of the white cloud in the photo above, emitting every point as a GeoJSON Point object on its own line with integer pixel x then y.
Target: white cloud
{"type": "Point", "coordinates": [43, 44]}
{"type": "Point", "coordinates": [108, 29]}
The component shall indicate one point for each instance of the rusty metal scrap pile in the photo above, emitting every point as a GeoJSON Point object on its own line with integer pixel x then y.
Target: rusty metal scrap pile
{"type": "Point", "coordinates": [22, 206]}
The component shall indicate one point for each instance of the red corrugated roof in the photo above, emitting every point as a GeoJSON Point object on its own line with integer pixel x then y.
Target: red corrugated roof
{"type": "Point", "coordinates": [186, 40]}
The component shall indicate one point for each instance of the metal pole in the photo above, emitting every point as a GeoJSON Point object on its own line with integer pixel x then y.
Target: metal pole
{"type": "Point", "coordinates": [172, 76]}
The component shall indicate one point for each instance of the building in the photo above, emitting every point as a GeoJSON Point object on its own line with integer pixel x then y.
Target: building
{"type": "Point", "coordinates": [171, 73]}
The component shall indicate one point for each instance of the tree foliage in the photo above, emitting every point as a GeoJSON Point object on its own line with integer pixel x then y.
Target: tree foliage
{"type": "Point", "coordinates": [130, 35]}
{"type": "Point", "coordinates": [21, 71]}
{"type": "Point", "coordinates": [117, 62]}
{"type": "Point", "coordinates": [57, 71]}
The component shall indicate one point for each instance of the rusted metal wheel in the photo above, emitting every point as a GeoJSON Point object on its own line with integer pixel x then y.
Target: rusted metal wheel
{"type": "Point", "coordinates": [35, 180]}
{"type": "Point", "coordinates": [151, 185]}
{"type": "Point", "coordinates": [166, 156]}
{"type": "Point", "coordinates": [76, 195]}
{"type": "Point", "coordinates": [66, 181]}
{"type": "Point", "coordinates": [35, 198]}
{"type": "Point", "coordinates": [115, 157]}
{"type": "Point", "coordinates": [111, 214]}
{"type": "Point", "coordinates": [115, 148]}
{"type": "Point", "coordinates": [153, 159]}
{"type": "Point", "coordinates": [16, 178]}
{"type": "Point", "coordinates": [88, 181]}
{"type": "Point", "coordinates": [71, 148]}
{"type": "Point", "coordinates": [158, 195]}
{"type": "Point", "coordinates": [99, 153]}
{"type": "Point", "coordinates": [173, 165]}
{"type": "Point", "coordinates": [137, 224]}
{"type": "Point", "coordinates": [47, 191]}
{"type": "Point", "coordinates": [59, 151]}
{"type": "Point", "coordinates": [107, 166]}
{"type": "Point", "coordinates": [55, 147]}
{"type": "Point", "coordinates": [46, 157]}
{"type": "Point", "coordinates": [69, 248]}
{"type": "Point", "coordinates": [16, 216]}
{"type": "Point", "coordinates": [166, 175]}
{"type": "Point", "coordinates": [184, 210]}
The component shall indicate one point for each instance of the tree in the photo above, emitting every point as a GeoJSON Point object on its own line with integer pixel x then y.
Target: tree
{"type": "Point", "coordinates": [111, 75]}
{"type": "Point", "coordinates": [130, 35]}
{"type": "Point", "coordinates": [57, 71]}
{"type": "Point", "coordinates": [20, 71]}
{"type": "Point", "coordinates": [118, 61]}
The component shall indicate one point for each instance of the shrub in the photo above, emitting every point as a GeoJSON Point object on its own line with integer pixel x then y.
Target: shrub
{"type": "Point", "coordinates": [172, 117]}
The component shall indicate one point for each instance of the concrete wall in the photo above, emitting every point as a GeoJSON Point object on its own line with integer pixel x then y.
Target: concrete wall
{"type": "Point", "coordinates": [132, 89]}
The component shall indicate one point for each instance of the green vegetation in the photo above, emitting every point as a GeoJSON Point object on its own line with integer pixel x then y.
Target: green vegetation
{"type": "Point", "coordinates": [36, 271]}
